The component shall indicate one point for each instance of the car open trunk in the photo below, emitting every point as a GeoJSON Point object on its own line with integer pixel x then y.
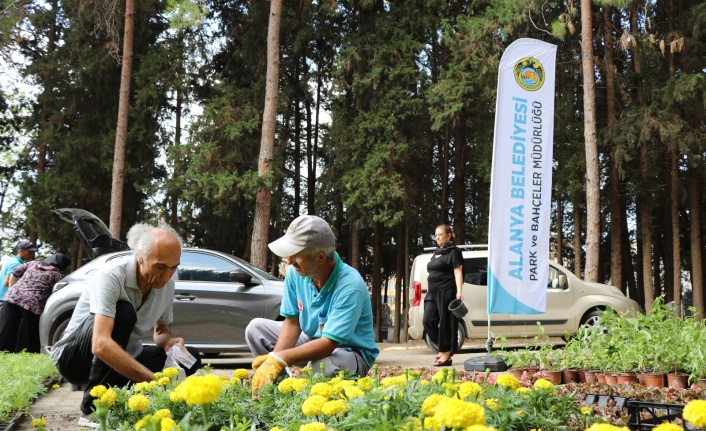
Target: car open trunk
{"type": "Point", "coordinates": [94, 234]}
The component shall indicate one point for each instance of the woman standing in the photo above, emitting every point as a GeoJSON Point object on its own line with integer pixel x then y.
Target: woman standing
{"type": "Point", "coordinates": [445, 283]}
{"type": "Point", "coordinates": [30, 286]}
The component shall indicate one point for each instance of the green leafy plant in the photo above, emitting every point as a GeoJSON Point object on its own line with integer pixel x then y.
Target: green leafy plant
{"type": "Point", "coordinates": [23, 377]}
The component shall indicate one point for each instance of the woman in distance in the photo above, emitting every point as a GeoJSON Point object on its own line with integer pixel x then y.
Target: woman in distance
{"type": "Point", "coordinates": [30, 286]}
{"type": "Point", "coordinates": [445, 283]}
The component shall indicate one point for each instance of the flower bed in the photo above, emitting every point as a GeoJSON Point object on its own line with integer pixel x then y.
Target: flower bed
{"type": "Point", "coordinates": [390, 399]}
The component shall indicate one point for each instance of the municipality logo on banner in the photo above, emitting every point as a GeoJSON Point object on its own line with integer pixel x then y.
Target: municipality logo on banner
{"type": "Point", "coordinates": [521, 179]}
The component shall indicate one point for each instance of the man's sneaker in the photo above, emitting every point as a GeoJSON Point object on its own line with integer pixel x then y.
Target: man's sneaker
{"type": "Point", "coordinates": [84, 421]}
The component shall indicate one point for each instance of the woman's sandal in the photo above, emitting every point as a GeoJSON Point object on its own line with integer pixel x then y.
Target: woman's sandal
{"type": "Point", "coordinates": [443, 364]}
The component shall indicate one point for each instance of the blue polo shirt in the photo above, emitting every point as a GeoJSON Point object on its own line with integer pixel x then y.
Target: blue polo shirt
{"type": "Point", "coordinates": [341, 311]}
{"type": "Point", "coordinates": [11, 264]}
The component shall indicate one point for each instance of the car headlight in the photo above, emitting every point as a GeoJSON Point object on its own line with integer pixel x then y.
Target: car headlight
{"type": "Point", "coordinates": [58, 286]}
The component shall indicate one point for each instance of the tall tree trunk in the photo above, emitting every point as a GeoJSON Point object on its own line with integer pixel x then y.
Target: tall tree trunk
{"type": "Point", "coordinates": [310, 151]}
{"type": "Point", "coordinates": [297, 156]}
{"type": "Point", "coordinates": [376, 280]}
{"type": "Point", "coordinates": [355, 245]}
{"type": "Point", "coordinates": [444, 204]}
{"type": "Point", "coordinates": [593, 198]}
{"type": "Point", "coordinates": [116, 193]}
{"type": "Point", "coordinates": [578, 261]}
{"type": "Point", "coordinates": [174, 201]}
{"type": "Point", "coordinates": [644, 195]}
{"type": "Point", "coordinates": [400, 284]}
{"type": "Point", "coordinates": [559, 230]}
{"type": "Point", "coordinates": [676, 241]}
{"type": "Point", "coordinates": [261, 221]}
{"type": "Point", "coordinates": [694, 192]}
{"type": "Point", "coordinates": [405, 288]}
{"type": "Point", "coordinates": [459, 216]}
{"type": "Point", "coordinates": [616, 217]}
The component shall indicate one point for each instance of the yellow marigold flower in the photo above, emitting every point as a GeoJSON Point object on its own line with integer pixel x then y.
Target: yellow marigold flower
{"type": "Point", "coordinates": [393, 381]}
{"type": "Point", "coordinates": [176, 396]}
{"type": "Point", "coordinates": [109, 397]}
{"type": "Point", "coordinates": [141, 387]}
{"type": "Point", "coordinates": [365, 383]}
{"type": "Point", "coordinates": [334, 407]}
{"type": "Point", "coordinates": [425, 382]}
{"type": "Point", "coordinates": [142, 423]}
{"type": "Point", "coordinates": [286, 385]}
{"type": "Point", "coordinates": [334, 380]}
{"type": "Point", "coordinates": [300, 384]}
{"type": "Point", "coordinates": [138, 402]}
{"type": "Point", "coordinates": [695, 413]}
{"type": "Point", "coordinates": [520, 412]}
{"type": "Point", "coordinates": [467, 389]}
{"type": "Point", "coordinates": [98, 390]}
{"type": "Point", "coordinates": [432, 423]}
{"type": "Point", "coordinates": [352, 392]}
{"type": "Point", "coordinates": [436, 378]}
{"type": "Point", "coordinates": [241, 373]}
{"type": "Point", "coordinates": [323, 389]}
{"type": "Point", "coordinates": [314, 426]}
{"type": "Point", "coordinates": [168, 424]}
{"type": "Point", "coordinates": [163, 413]}
{"type": "Point", "coordinates": [164, 381]}
{"type": "Point", "coordinates": [606, 427]}
{"type": "Point", "coordinates": [545, 384]}
{"type": "Point", "coordinates": [431, 403]}
{"type": "Point", "coordinates": [454, 413]}
{"type": "Point", "coordinates": [480, 428]}
{"type": "Point", "coordinates": [508, 381]}
{"type": "Point", "coordinates": [55, 386]}
{"type": "Point", "coordinates": [276, 429]}
{"type": "Point", "coordinates": [225, 379]}
{"type": "Point", "coordinates": [585, 410]}
{"type": "Point", "coordinates": [38, 422]}
{"type": "Point", "coordinates": [312, 406]}
{"type": "Point", "coordinates": [523, 391]}
{"type": "Point", "coordinates": [158, 375]}
{"type": "Point", "coordinates": [492, 403]}
{"type": "Point", "coordinates": [201, 390]}
{"type": "Point", "coordinates": [170, 372]}
{"type": "Point", "coordinates": [153, 384]}
{"type": "Point", "coordinates": [666, 426]}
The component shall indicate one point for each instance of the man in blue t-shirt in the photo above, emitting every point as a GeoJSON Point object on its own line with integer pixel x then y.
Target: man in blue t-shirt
{"type": "Point", "coordinates": [25, 253]}
{"type": "Point", "coordinates": [328, 318]}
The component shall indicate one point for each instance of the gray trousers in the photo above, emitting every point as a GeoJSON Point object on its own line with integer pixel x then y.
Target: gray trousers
{"type": "Point", "coordinates": [261, 336]}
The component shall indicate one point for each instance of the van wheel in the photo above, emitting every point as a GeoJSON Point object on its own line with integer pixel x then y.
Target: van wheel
{"type": "Point", "coordinates": [591, 319]}
{"type": "Point", "coordinates": [461, 337]}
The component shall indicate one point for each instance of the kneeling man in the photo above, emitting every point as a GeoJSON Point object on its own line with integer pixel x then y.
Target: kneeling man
{"type": "Point", "coordinates": [128, 299]}
{"type": "Point", "coordinates": [328, 317]}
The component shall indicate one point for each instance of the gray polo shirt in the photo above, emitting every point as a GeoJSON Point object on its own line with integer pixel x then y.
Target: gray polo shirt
{"type": "Point", "coordinates": [117, 281]}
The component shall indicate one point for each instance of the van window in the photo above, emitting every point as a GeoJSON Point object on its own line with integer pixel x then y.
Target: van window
{"type": "Point", "coordinates": [475, 271]}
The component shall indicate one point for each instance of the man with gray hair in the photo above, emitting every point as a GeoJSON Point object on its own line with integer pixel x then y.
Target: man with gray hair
{"type": "Point", "coordinates": [328, 318]}
{"type": "Point", "coordinates": [131, 297]}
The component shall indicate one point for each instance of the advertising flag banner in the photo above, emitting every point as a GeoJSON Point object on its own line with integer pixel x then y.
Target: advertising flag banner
{"type": "Point", "coordinates": [521, 179]}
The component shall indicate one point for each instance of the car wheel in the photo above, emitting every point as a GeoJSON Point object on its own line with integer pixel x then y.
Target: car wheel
{"type": "Point", "coordinates": [461, 337]}
{"type": "Point", "coordinates": [591, 319]}
{"type": "Point", "coordinates": [59, 331]}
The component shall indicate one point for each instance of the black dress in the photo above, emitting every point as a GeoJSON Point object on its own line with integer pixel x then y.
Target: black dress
{"type": "Point", "coordinates": [439, 323]}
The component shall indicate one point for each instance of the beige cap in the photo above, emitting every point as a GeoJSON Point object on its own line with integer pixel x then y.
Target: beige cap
{"type": "Point", "coordinates": [304, 231]}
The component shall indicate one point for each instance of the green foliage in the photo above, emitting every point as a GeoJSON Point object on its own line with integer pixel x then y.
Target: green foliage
{"type": "Point", "coordinates": [23, 377]}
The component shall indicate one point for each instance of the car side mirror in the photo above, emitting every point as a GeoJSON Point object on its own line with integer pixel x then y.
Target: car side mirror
{"type": "Point", "coordinates": [240, 277]}
{"type": "Point", "coordinates": [562, 281]}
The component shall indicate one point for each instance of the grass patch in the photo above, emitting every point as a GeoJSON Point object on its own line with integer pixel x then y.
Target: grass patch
{"type": "Point", "coordinates": [23, 378]}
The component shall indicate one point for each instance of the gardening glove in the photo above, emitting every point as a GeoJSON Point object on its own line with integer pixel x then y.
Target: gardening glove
{"type": "Point", "coordinates": [258, 361]}
{"type": "Point", "coordinates": [267, 372]}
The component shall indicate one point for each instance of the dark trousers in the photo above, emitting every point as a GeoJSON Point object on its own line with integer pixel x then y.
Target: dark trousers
{"type": "Point", "coordinates": [439, 323]}
{"type": "Point", "coordinates": [78, 365]}
{"type": "Point", "coordinates": [19, 329]}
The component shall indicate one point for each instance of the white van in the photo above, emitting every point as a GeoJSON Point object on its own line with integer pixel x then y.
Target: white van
{"type": "Point", "coordinates": [571, 302]}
